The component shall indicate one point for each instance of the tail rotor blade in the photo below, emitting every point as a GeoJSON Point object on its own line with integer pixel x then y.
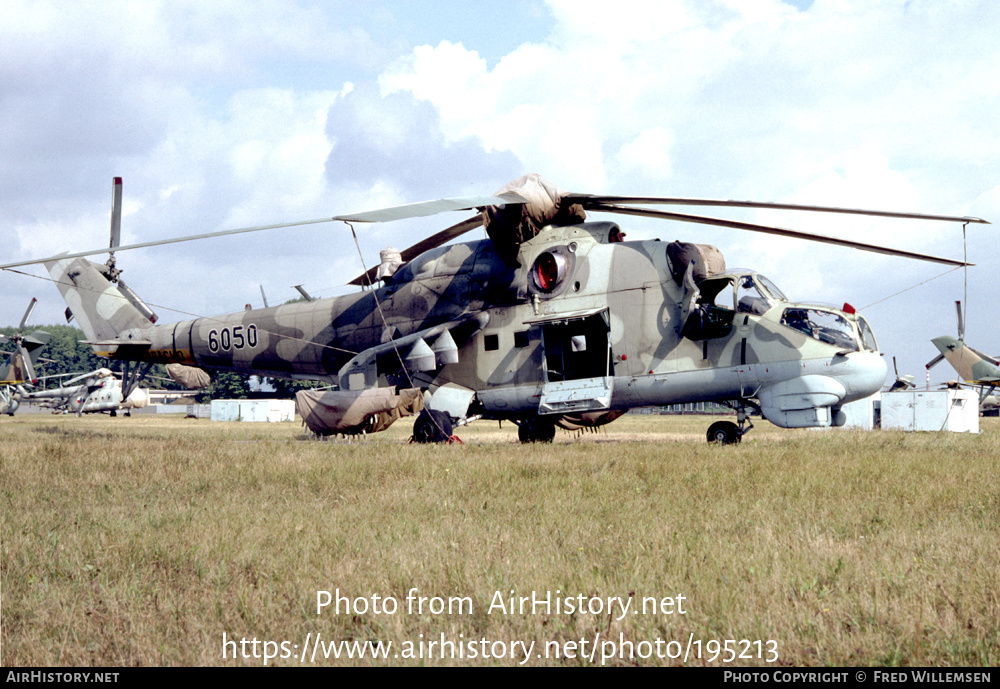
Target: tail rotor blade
{"type": "Point", "coordinates": [27, 314]}
{"type": "Point", "coordinates": [116, 213]}
{"type": "Point", "coordinates": [29, 370]}
{"type": "Point", "coordinates": [961, 321]}
{"type": "Point", "coordinates": [935, 361]}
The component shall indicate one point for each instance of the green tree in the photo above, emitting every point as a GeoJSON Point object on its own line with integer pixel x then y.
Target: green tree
{"type": "Point", "coordinates": [226, 386]}
{"type": "Point", "coordinates": [286, 389]}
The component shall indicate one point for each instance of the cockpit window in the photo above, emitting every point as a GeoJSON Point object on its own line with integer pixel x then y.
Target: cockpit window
{"type": "Point", "coordinates": [867, 336]}
{"type": "Point", "coordinates": [770, 287]}
{"type": "Point", "coordinates": [718, 292]}
{"type": "Point", "coordinates": [824, 326]}
{"type": "Point", "coordinates": [750, 298]}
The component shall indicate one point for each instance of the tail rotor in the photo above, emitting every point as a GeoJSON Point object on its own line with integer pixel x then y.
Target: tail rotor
{"type": "Point", "coordinates": [21, 362]}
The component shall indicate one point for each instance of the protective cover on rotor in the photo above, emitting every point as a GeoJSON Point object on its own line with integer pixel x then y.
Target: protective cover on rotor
{"type": "Point", "coordinates": [705, 258]}
{"type": "Point", "coordinates": [191, 377]}
{"type": "Point", "coordinates": [508, 226]}
{"type": "Point", "coordinates": [326, 412]}
{"type": "Point", "coordinates": [390, 259]}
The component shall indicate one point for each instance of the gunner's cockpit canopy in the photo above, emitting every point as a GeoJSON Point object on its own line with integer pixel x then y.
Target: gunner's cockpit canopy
{"type": "Point", "coordinates": [722, 296]}
{"type": "Point", "coordinates": [743, 292]}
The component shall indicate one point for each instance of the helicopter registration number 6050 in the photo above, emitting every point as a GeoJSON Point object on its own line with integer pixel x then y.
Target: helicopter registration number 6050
{"type": "Point", "coordinates": [237, 337]}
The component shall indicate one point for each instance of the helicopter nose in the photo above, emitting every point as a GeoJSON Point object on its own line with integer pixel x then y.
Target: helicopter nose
{"type": "Point", "coordinates": [867, 372]}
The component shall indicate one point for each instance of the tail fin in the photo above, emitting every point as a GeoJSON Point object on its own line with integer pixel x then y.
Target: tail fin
{"type": "Point", "coordinates": [103, 310]}
{"type": "Point", "coordinates": [972, 365]}
{"type": "Point", "coordinates": [20, 364]}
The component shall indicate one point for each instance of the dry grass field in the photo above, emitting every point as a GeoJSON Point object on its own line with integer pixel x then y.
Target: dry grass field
{"type": "Point", "coordinates": [167, 541]}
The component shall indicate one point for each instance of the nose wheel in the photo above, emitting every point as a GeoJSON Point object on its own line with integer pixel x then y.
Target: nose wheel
{"type": "Point", "coordinates": [724, 433]}
{"type": "Point", "coordinates": [729, 433]}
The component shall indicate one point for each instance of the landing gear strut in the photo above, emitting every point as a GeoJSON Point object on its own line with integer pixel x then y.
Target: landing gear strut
{"type": "Point", "coordinates": [536, 429]}
{"type": "Point", "coordinates": [729, 433]}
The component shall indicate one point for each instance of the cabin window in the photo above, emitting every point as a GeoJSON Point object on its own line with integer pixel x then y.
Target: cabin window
{"type": "Point", "coordinates": [491, 342]}
{"type": "Point", "coordinates": [521, 339]}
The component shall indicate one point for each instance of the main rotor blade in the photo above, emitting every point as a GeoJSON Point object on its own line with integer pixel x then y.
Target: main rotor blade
{"type": "Point", "coordinates": [684, 217]}
{"type": "Point", "coordinates": [413, 210]}
{"type": "Point", "coordinates": [27, 314]}
{"type": "Point", "coordinates": [594, 201]}
{"type": "Point", "coordinates": [159, 242]}
{"type": "Point", "coordinates": [425, 208]}
{"type": "Point", "coordinates": [432, 242]}
{"type": "Point", "coordinates": [79, 378]}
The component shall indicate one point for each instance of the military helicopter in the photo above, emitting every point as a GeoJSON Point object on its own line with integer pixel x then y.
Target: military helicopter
{"type": "Point", "coordinates": [976, 369]}
{"type": "Point", "coordinates": [552, 321]}
{"type": "Point", "coordinates": [87, 393]}
{"type": "Point", "coordinates": [19, 366]}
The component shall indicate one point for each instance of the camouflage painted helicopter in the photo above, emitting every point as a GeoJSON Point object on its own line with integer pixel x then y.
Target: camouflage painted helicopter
{"type": "Point", "coordinates": [551, 321]}
{"type": "Point", "coordinates": [976, 369]}
{"type": "Point", "coordinates": [19, 366]}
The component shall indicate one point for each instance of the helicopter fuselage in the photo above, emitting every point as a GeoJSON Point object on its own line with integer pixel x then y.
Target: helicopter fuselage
{"type": "Point", "coordinates": [583, 325]}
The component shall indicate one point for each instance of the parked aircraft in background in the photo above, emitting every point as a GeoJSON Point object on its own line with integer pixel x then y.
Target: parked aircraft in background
{"type": "Point", "coordinates": [975, 368]}
{"type": "Point", "coordinates": [19, 366]}
{"type": "Point", "coordinates": [96, 391]}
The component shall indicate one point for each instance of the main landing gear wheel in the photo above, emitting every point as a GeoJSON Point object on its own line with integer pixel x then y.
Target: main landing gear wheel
{"type": "Point", "coordinates": [432, 426]}
{"type": "Point", "coordinates": [536, 430]}
{"type": "Point", "coordinates": [724, 433]}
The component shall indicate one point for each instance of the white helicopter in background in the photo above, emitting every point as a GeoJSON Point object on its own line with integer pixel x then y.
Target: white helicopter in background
{"type": "Point", "coordinates": [88, 393]}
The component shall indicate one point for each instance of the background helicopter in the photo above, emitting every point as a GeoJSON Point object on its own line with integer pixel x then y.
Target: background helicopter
{"type": "Point", "coordinates": [976, 369]}
{"type": "Point", "coordinates": [87, 393]}
{"type": "Point", "coordinates": [550, 321]}
{"type": "Point", "coordinates": [19, 366]}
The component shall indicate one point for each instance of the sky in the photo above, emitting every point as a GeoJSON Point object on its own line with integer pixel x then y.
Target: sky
{"type": "Point", "coordinates": [230, 114]}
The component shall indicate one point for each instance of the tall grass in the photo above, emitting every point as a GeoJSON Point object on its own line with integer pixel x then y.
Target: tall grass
{"type": "Point", "coordinates": [142, 541]}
